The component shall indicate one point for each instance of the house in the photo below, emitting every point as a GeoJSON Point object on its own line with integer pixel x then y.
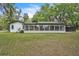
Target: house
{"type": "Point", "coordinates": [16, 26]}
{"type": "Point", "coordinates": [37, 27]}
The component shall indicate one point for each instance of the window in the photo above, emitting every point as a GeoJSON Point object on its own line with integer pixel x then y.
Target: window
{"type": "Point", "coordinates": [12, 26]}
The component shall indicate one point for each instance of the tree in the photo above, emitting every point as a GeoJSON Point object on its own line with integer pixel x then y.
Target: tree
{"type": "Point", "coordinates": [18, 12]}
{"type": "Point", "coordinates": [26, 17]}
{"type": "Point", "coordinates": [3, 22]}
{"type": "Point", "coordinates": [67, 13]}
{"type": "Point", "coordinates": [42, 15]}
{"type": "Point", "coordinates": [8, 10]}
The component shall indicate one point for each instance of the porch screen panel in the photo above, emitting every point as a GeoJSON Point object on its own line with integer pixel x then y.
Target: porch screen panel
{"type": "Point", "coordinates": [52, 27]}
{"type": "Point", "coordinates": [62, 28]}
{"type": "Point", "coordinates": [26, 27]}
{"type": "Point", "coordinates": [31, 27]}
{"type": "Point", "coordinates": [56, 28]}
{"type": "Point", "coordinates": [41, 28]}
{"type": "Point", "coordinates": [46, 27]}
{"type": "Point", "coordinates": [37, 27]}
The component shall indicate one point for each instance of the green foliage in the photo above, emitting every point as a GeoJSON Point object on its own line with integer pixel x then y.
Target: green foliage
{"type": "Point", "coordinates": [21, 31]}
{"type": "Point", "coordinates": [26, 17]}
{"type": "Point", "coordinates": [67, 13]}
{"type": "Point", "coordinates": [42, 15]}
{"type": "Point", "coordinates": [18, 12]}
{"type": "Point", "coordinates": [4, 22]}
{"type": "Point", "coordinates": [8, 10]}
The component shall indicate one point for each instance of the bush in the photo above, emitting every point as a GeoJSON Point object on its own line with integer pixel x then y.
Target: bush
{"type": "Point", "coordinates": [21, 31]}
{"type": "Point", "coordinates": [34, 21]}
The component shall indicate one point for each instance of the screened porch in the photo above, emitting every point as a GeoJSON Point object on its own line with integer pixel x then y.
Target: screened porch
{"type": "Point", "coordinates": [44, 27]}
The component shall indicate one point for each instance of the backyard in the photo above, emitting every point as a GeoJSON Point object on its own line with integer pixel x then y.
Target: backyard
{"type": "Point", "coordinates": [39, 44]}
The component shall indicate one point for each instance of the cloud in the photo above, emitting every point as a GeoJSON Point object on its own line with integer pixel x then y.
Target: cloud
{"type": "Point", "coordinates": [30, 10]}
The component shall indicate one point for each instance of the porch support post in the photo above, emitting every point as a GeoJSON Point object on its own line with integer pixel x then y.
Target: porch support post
{"type": "Point", "coordinates": [33, 27]}
{"type": "Point", "coordinates": [54, 27]}
{"type": "Point", "coordinates": [49, 27]}
{"type": "Point", "coordinates": [59, 27]}
{"type": "Point", "coordinates": [44, 27]}
{"type": "Point", "coordinates": [28, 27]}
{"type": "Point", "coordinates": [64, 28]}
{"type": "Point", "coordinates": [39, 28]}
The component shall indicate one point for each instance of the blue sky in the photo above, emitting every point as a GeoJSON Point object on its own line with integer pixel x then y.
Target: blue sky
{"type": "Point", "coordinates": [29, 8]}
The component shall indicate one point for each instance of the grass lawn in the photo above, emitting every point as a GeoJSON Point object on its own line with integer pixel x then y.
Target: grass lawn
{"type": "Point", "coordinates": [39, 44]}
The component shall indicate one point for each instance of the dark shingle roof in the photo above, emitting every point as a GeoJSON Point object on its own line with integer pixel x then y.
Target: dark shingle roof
{"type": "Point", "coordinates": [41, 23]}
{"type": "Point", "coordinates": [45, 23]}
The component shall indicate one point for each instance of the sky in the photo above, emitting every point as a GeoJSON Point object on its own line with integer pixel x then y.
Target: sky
{"type": "Point", "coordinates": [29, 8]}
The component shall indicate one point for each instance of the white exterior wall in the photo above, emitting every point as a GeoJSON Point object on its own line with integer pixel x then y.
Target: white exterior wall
{"type": "Point", "coordinates": [17, 25]}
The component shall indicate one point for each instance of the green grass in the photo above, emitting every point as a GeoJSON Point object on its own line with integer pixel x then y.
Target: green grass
{"type": "Point", "coordinates": [39, 44]}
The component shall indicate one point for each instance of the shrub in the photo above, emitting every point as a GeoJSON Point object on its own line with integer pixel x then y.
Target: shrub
{"type": "Point", "coordinates": [21, 31]}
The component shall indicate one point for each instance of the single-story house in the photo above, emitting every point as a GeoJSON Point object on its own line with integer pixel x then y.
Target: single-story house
{"type": "Point", "coordinates": [38, 27]}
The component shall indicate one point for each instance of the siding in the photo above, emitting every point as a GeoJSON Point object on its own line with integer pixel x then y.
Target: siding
{"type": "Point", "coordinates": [16, 26]}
